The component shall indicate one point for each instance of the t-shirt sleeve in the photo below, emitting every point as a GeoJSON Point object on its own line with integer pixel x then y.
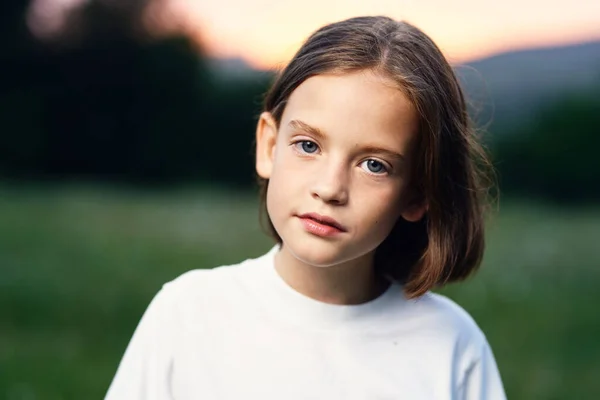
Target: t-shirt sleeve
{"type": "Point", "coordinates": [482, 380]}
{"type": "Point", "coordinates": [145, 370]}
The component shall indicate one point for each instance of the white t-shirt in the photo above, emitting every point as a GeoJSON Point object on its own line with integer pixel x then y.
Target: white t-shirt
{"type": "Point", "coordinates": [240, 332]}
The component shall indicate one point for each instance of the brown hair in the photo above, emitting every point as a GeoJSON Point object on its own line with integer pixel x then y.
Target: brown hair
{"type": "Point", "coordinates": [451, 173]}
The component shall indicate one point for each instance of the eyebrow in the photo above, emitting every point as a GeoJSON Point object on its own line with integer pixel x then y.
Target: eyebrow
{"type": "Point", "coordinates": [389, 153]}
{"type": "Point", "coordinates": [303, 126]}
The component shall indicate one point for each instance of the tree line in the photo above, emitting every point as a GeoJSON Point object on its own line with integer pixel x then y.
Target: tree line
{"type": "Point", "coordinates": [108, 102]}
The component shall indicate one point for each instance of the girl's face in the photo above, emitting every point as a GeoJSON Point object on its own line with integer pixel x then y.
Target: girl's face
{"type": "Point", "coordinates": [338, 167]}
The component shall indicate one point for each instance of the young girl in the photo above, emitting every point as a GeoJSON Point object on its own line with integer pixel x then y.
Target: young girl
{"type": "Point", "coordinates": [373, 190]}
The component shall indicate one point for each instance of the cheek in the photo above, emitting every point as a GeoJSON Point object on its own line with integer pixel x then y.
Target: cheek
{"type": "Point", "coordinates": [281, 188]}
{"type": "Point", "coordinates": [279, 176]}
{"type": "Point", "coordinates": [289, 172]}
{"type": "Point", "coordinates": [381, 207]}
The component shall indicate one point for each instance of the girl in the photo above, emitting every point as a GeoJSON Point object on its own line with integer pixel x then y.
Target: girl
{"type": "Point", "coordinates": [373, 190]}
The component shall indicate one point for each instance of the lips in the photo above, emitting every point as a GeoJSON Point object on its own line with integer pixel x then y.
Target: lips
{"type": "Point", "coordinates": [324, 220]}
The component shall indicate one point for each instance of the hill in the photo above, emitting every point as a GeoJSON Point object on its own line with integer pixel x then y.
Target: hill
{"type": "Point", "coordinates": [513, 85]}
{"type": "Point", "coordinates": [505, 88]}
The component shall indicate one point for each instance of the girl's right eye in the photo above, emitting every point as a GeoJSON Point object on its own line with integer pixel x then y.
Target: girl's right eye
{"type": "Point", "coordinates": [306, 146]}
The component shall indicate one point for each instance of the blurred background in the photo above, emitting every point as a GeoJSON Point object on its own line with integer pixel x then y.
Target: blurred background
{"type": "Point", "coordinates": [126, 158]}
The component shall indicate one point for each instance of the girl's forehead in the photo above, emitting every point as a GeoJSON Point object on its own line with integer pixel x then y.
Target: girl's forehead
{"type": "Point", "coordinates": [363, 81]}
{"type": "Point", "coordinates": [355, 101]}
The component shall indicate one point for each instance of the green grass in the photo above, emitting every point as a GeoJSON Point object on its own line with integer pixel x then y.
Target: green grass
{"type": "Point", "coordinates": [79, 265]}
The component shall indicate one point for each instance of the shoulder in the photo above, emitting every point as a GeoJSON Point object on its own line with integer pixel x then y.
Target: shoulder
{"type": "Point", "coordinates": [446, 311]}
{"type": "Point", "coordinates": [203, 277]}
{"type": "Point", "coordinates": [460, 339]}
{"type": "Point", "coordinates": [441, 315]}
{"type": "Point", "coordinates": [449, 330]}
{"type": "Point", "coordinates": [201, 289]}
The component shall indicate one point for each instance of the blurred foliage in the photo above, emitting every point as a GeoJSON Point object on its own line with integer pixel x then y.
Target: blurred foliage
{"type": "Point", "coordinates": [107, 101]}
{"type": "Point", "coordinates": [555, 157]}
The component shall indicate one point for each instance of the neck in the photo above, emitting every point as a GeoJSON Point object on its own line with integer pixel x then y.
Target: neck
{"type": "Point", "coordinates": [351, 282]}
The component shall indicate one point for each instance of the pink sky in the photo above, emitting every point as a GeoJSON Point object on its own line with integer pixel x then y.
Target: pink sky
{"type": "Point", "coordinates": [266, 33]}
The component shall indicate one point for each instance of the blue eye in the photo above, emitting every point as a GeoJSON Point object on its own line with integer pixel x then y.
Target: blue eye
{"type": "Point", "coordinates": [307, 146]}
{"type": "Point", "coordinates": [374, 167]}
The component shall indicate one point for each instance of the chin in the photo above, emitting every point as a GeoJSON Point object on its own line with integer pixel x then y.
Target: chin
{"type": "Point", "coordinates": [318, 252]}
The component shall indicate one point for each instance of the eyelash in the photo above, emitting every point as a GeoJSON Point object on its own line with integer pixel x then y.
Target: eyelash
{"type": "Point", "coordinates": [298, 147]}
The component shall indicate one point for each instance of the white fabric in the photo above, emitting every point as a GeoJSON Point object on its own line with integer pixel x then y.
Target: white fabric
{"type": "Point", "coordinates": [240, 332]}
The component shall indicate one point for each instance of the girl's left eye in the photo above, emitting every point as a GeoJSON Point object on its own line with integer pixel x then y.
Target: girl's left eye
{"type": "Point", "coordinates": [374, 167]}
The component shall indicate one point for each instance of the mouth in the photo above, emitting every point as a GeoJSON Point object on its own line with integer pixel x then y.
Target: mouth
{"type": "Point", "coordinates": [324, 220]}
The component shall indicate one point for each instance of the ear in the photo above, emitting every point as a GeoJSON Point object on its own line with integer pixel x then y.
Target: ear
{"type": "Point", "coordinates": [415, 209]}
{"type": "Point", "coordinates": [414, 212]}
{"type": "Point", "coordinates": [266, 138]}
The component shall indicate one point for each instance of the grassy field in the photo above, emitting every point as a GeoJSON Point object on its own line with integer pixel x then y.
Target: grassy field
{"type": "Point", "coordinates": [79, 265]}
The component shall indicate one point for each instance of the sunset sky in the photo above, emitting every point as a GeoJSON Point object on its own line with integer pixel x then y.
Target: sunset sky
{"type": "Point", "coordinates": [266, 33]}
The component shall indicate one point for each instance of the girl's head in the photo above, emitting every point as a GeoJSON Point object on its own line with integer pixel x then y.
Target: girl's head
{"type": "Point", "coordinates": [368, 125]}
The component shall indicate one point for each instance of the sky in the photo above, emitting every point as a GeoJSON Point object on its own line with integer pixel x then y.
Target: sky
{"type": "Point", "coordinates": [266, 33]}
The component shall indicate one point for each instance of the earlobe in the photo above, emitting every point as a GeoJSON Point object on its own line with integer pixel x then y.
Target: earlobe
{"type": "Point", "coordinates": [266, 138]}
{"type": "Point", "coordinates": [415, 212]}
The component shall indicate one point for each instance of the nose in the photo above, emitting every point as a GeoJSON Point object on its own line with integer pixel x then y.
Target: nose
{"type": "Point", "coordinates": [331, 183]}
